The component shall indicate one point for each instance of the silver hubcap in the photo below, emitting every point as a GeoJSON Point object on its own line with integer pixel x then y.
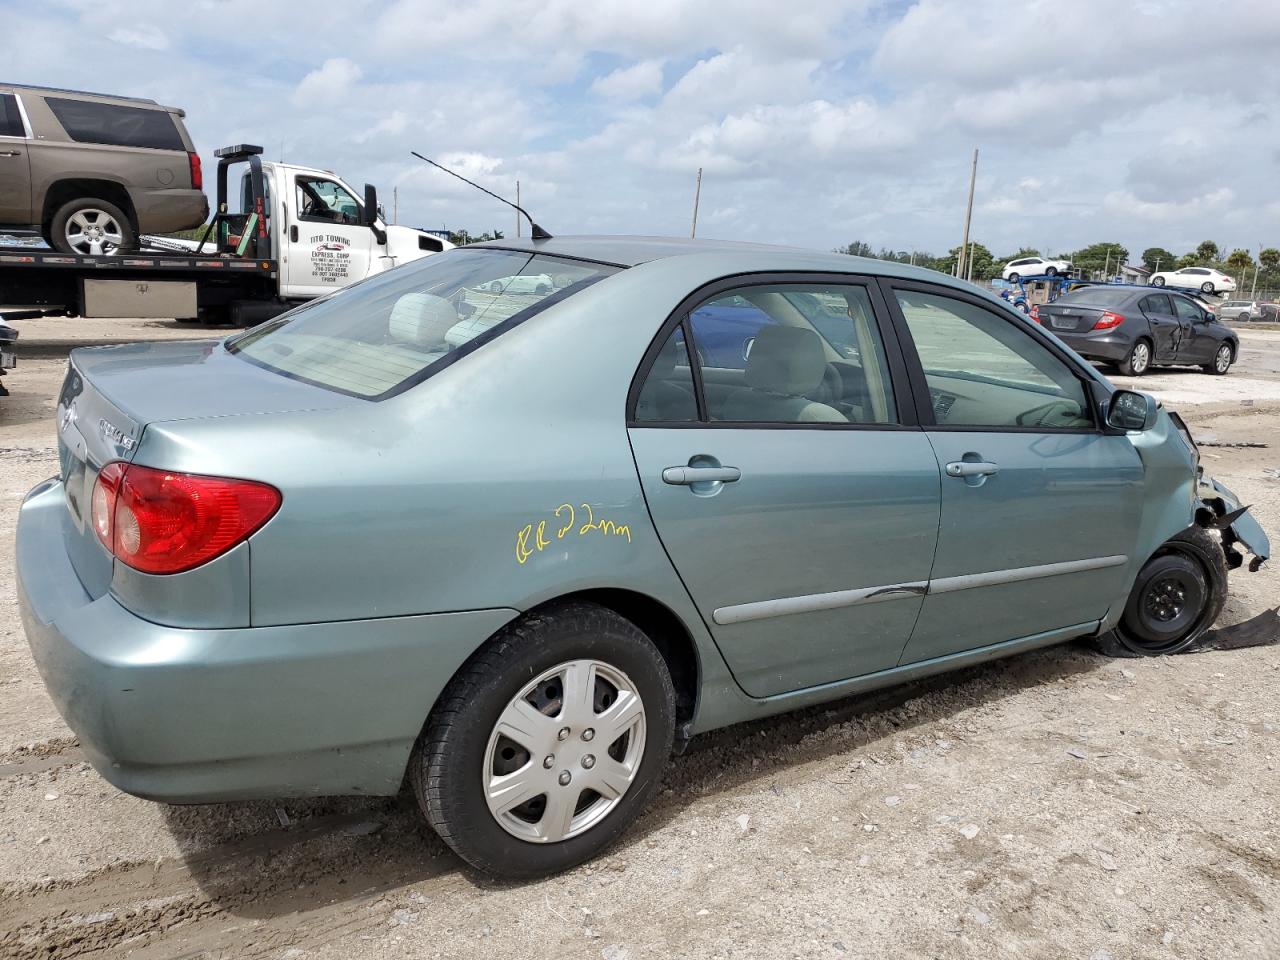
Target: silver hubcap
{"type": "Point", "coordinates": [94, 232]}
{"type": "Point", "coordinates": [1224, 358]}
{"type": "Point", "coordinates": [1141, 357]}
{"type": "Point", "coordinates": [564, 752]}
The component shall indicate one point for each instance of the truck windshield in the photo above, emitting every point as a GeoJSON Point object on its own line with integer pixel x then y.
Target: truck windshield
{"type": "Point", "coordinates": [383, 335]}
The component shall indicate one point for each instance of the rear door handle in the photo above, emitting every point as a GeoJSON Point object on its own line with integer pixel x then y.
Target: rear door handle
{"type": "Point", "coordinates": [968, 468]}
{"type": "Point", "coordinates": [10, 153]}
{"type": "Point", "coordinates": [687, 475]}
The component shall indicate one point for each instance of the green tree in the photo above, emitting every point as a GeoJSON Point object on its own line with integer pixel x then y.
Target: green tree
{"type": "Point", "coordinates": [1188, 260]}
{"type": "Point", "coordinates": [1269, 258]}
{"type": "Point", "coordinates": [1207, 252]}
{"type": "Point", "coordinates": [1019, 254]}
{"type": "Point", "coordinates": [1099, 258]}
{"type": "Point", "coordinates": [856, 249]}
{"type": "Point", "coordinates": [1154, 258]}
{"type": "Point", "coordinates": [1239, 260]}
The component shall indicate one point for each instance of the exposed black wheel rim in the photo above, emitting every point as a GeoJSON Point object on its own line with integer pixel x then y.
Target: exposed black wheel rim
{"type": "Point", "coordinates": [1168, 605]}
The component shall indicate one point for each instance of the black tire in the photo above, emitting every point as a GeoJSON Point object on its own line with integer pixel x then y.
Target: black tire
{"type": "Point", "coordinates": [454, 744]}
{"type": "Point", "coordinates": [1157, 282]}
{"type": "Point", "coordinates": [1206, 287]}
{"type": "Point", "coordinates": [89, 206]}
{"type": "Point", "coordinates": [1136, 363]}
{"type": "Point", "coordinates": [1051, 271]}
{"type": "Point", "coordinates": [1219, 365]}
{"type": "Point", "coordinates": [1157, 622]}
{"type": "Point", "coordinates": [1013, 278]}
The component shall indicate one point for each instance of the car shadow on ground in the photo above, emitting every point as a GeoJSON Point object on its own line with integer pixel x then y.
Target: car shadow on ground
{"type": "Point", "coordinates": [355, 849]}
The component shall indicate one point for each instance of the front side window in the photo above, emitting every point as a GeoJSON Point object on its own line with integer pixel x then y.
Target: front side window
{"type": "Point", "coordinates": [984, 371]}
{"type": "Point", "coordinates": [326, 201]}
{"type": "Point", "coordinates": [90, 122]}
{"type": "Point", "coordinates": [800, 353]}
{"type": "Point", "coordinates": [1187, 311]}
{"type": "Point", "coordinates": [385, 334]}
{"type": "Point", "coordinates": [10, 119]}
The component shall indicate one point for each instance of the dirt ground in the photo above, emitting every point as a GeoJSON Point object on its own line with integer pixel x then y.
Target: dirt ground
{"type": "Point", "coordinates": [1056, 804]}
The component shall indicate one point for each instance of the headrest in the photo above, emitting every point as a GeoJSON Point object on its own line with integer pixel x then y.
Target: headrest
{"type": "Point", "coordinates": [786, 360]}
{"type": "Point", "coordinates": [421, 319]}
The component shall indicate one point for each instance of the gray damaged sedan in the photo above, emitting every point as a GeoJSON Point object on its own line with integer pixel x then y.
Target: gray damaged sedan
{"type": "Point", "coordinates": [509, 542]}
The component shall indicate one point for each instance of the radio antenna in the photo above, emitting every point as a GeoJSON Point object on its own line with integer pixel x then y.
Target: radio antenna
{"type": "Point", "coordinates": [535, 231]}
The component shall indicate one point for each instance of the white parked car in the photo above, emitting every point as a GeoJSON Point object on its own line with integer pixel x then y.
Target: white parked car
{"type": "Point", "coordinates": [1204, 279]}
{"type": "Point", "coordinates": [533, 283]}
{"type": "Point", "coordinates": [1035, 267]}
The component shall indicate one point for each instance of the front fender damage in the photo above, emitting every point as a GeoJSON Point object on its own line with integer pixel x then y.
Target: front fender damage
{"type": "Point", "coordinates": [1221, 509]}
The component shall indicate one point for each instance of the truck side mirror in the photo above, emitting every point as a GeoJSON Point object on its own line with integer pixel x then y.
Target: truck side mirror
{"type": "Point", "coordinates": [370, 211]}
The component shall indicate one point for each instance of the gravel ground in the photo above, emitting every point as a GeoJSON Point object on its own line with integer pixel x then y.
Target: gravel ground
{"type": "Point", "coordinates": [1056, 804]}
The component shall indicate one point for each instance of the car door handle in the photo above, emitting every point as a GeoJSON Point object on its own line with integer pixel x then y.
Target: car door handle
{"type": "Point", "coordinates": [687, 475]}
{"type": "Point", "coordinates": [968, 468]}
{"type": "Point", "coordinates": [10, 153]}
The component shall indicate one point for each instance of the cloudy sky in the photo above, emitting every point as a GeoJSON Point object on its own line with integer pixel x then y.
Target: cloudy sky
{"type": "Point", "coordinates": [817, 123]}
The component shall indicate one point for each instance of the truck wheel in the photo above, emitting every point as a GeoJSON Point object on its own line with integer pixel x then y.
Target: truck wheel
{"type": "Point", "coordinates": [91, 227]}
{"type": "Point", "coordinates": [1221, 361]}
{"type": "Point", "coordinates": [548, 743]}
{"type": "Point", "coordinates": [1138, 361]}
{"type": "Point", "coordinates": [1177, 596]}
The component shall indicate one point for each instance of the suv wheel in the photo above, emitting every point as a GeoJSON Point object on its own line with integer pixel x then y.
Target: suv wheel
{"type": "Point", "coordinates": [91, 227]}
{"type": "Point", "coordinates": [546, 746]}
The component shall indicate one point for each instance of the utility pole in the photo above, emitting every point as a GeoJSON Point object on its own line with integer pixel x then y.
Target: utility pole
{"type": "Point", "coordinates": [395, 204]}
{"type": "Point", "coordinates": [517, 212]}
{"type": "Point", "coordinates": [697, 196]}
{"type": "Point", "coordinates": [968, 216]}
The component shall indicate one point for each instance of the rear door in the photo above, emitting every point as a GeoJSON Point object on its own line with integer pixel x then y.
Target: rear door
{"type": "Point", "coordinates": [328, 246]}
{"type": "Point", "coordinates": [15, 164]}
{"type": "Point", "coordinates": [1040, 509]}
{"type": "Point", "coordinates": [1197, 343]}
{"type": "Point", "coordinates": [1166, 330]}
{"type": "Point", "coordinates": [804, 528]}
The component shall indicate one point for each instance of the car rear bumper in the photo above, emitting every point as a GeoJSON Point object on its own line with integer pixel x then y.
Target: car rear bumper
{"type": "Point", "coordinates": [1101, 346]}
{"type": "Point", "coordinates": [190, 716]}
{"type": "Point", "coordinates": [159, 211]}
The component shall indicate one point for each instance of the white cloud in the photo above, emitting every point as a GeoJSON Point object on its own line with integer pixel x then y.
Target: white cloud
{"type": "Point", "coordinates": [630, 83]}
{"type": "Point", "coordinates": [146, 37]}
{"type": "Point", "coordinates": [335, 78]}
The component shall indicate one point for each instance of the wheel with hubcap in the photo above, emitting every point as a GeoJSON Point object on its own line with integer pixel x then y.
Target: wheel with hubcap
{"type": "Point", "coordinates": [1221, 361]}
{"type": "Point", "coordinates": [1138, 361]}
{"type": "Point", "coordinates": [548, 743]}
{"type": "Point", "coordinates": [1176, 597]}
{"type": "Point", "coordinates": [91, 227]}
{"type": "Point", "coordinates": [1206, 287]}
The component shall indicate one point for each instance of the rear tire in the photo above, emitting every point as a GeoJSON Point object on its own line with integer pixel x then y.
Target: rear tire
{"type": "Point", "coordinates": [1176, 597]}
{"type": "Point", "coordinates": [1206, 287]}
{"type": "Point", "coordinates": [522, 683]}
{"type": "Point", "coordinates": [1138, 362]}
{"type": "Point", "coordinates": [1051, 272]}
{"type": "Point", "coordinates": [91, 227]}
{"type": "Point", "coordinates": [1222, 361]}
{"type": "Point", "coordinates": [1013, 278]}
{"type": "Point", "coordinates": [1158, 282]}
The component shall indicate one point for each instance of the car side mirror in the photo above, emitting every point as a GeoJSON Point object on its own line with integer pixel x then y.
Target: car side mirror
{"type": "Point", "coordinates": [1129, 410]}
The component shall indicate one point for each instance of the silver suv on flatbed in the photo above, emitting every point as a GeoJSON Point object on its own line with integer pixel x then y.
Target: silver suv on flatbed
{"type": "Point", "coordinates": [91, 172]}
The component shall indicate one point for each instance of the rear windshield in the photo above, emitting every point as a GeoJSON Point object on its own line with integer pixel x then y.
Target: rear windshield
{"type": "Point", "coordinates": [383, 335]}
{"type": "Point", "coordinates": [1095, 296]}
{"type": "Point", "coordinates": [90, 122]}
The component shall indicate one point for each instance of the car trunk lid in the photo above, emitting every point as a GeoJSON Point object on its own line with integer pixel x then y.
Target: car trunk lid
{"type": "Point", "coordinates": [1069, 318]}
{"type": "Point", "coordinates": [111, 394]}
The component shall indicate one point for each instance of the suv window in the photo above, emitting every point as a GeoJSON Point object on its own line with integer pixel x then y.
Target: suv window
{"type": "Point", "coordinates": [10, 118]}
{"type": "Point", "coordinates": [1187, 310]}
{"type": "Point", "coordinates": [326, 201]}
{"type": "Point", "coordinates": [984, 371]}
{"type": "Point", "coordinates": [90, 122]}
{"type": "Point", "coordinates": [387, 333]}
{"type": "Point", "coordinates": [804, 353]}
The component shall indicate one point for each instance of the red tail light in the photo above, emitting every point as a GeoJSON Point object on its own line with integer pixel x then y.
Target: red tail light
{"type": "Point", "coordinates": [1035, 312]}
{"type": "Point", "coordinates": [1108, 320]}
{"type": "Point", "coordinates": [158, 521]}
{"type": "Point", "coordinates": [197, 176]}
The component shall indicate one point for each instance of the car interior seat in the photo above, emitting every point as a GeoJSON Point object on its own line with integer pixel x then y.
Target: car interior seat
{"type": "Point", "coordinates": [785, 364]}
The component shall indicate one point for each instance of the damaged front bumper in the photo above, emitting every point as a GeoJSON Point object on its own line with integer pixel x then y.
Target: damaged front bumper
{"type": "Point", "coordinates": [1225, 513]}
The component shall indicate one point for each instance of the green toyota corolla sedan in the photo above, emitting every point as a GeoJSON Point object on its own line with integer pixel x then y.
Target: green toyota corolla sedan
{"type": "Point", "coordinates": [509, 543]}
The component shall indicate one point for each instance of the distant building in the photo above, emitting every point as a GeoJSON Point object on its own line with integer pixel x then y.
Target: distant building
{"type": "Point", "coordinates": [1133, 274]}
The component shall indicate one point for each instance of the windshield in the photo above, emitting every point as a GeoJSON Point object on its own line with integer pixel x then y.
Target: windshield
{"type": "Point", "coordinates": [383, 335]}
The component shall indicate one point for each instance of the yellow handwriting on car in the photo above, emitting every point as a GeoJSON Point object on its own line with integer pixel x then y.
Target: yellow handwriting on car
{"type": "Point", "coordinates": [532, 537]}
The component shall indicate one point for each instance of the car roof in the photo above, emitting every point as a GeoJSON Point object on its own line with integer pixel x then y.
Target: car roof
{"type": "Point", "coordinates": [627, 251]}
{"type": "Point", "coordinates": [112, 98]}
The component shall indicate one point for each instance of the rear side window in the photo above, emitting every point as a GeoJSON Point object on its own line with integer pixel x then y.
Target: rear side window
{"type": "Point", "coordinates": [381, 336]}
{"type": "Point", "coordinates": [10, 118]}
{"type": "Point", "coordinates": [89, 122]}
{"type": "Point", "coordinates": [1157, 303]}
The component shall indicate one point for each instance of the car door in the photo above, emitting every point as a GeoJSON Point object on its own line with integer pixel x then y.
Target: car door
{"type": "Point", "coordinates": [803, 529]}
{"type": "Point", "coordinates": [1040, 509]}
{"type": "Point", "coordinates": [1166, 331]}
{"type": "Point", "coordinates": [329, 247]}
{"type": "Point", "coordinates": [15, 165]}
{"type": "Point", "coordinates": [1198, 343]}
